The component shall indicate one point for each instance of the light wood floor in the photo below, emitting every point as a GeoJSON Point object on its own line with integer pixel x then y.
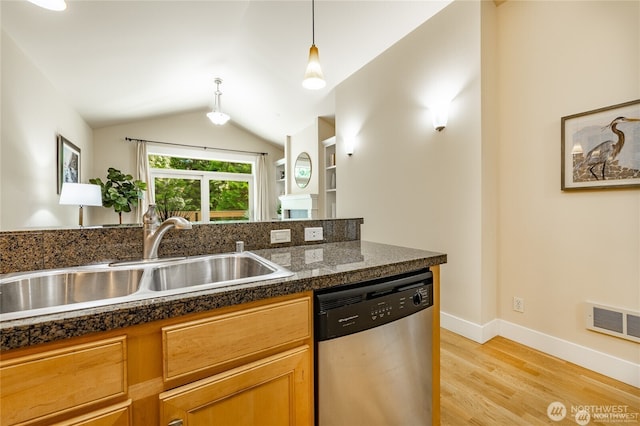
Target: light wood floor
{"type": "Point", "coordinates": [505, 383]}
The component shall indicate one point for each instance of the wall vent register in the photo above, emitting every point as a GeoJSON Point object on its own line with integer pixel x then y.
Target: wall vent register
{"type": "Point", "coordinates": [613, 321]}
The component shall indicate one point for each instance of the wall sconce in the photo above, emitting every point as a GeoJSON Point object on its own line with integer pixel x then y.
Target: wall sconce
{"type": "Point", "coordinates": [439, 115]}
{"type": "Point", "coordinates": [80, 194]}
{"type": "Point", "coordinates": [349, 145]}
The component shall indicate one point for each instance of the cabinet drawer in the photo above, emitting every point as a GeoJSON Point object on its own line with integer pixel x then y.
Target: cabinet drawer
{"type": "Point", "coordinates": [198, 345]}
{"type": "Point", "coordinates": [114, 415]}
{"type": "Point", "coordinates": [52, 382]}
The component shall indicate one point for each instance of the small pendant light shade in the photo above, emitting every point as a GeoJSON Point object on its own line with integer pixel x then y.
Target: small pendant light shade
{"type": "Point", "coordinates": [313, 77]}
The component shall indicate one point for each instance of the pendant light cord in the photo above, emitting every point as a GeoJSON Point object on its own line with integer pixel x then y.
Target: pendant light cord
{"type": "Point", "coordinates": [313, 22]}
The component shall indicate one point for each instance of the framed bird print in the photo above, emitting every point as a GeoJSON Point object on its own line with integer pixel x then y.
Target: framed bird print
{"type": "Point", "coordinates": [601, 148]}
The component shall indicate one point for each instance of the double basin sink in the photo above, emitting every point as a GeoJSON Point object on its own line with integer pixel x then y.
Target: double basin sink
{"type": "Point", "coordinates": [52, 291]}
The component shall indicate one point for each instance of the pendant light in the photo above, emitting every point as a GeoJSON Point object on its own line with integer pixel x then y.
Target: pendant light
{"type": "Point", "coordinates": [313, 78]}
{"type": "Point", "coordinates": [216, 116]}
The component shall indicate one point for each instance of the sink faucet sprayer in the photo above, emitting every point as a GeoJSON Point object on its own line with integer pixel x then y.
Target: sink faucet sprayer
{"type": "Point", "coordinates": [154, 230]}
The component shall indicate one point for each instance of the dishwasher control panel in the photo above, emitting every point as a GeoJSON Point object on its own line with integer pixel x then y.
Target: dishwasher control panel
{"type": "Point", "coordinates": [343, 312]}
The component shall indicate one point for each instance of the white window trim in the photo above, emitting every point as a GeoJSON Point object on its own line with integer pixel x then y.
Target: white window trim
{"type": "Point", "coordinates": [205, 176]}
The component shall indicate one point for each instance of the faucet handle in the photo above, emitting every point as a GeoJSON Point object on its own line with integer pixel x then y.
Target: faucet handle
{"type": "Point", "coordinates": [239, 246]}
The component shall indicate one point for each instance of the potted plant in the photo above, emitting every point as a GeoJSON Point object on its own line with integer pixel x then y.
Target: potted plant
{"type": "Point", "coordinates": [120, 191]}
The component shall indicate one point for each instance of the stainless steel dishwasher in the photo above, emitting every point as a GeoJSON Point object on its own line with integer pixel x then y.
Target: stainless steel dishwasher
{"type": "Point", "coordinates": [373, 353]}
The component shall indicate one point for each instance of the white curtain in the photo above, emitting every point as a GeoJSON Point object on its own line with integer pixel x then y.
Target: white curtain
{"type": "Point", "coordinates": [143, 175]}
{"type": "Point", "coordinates": [262, 188]}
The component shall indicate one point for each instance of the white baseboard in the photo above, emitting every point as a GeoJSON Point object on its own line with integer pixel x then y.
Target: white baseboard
{"type": "Point", "coordinates": [470, 330]}
{"type": "Point", "coordinates": [616, 368]}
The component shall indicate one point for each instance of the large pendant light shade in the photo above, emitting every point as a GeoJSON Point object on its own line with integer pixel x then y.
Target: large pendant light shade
{"type": "Point", "coordinates": [313, 77]}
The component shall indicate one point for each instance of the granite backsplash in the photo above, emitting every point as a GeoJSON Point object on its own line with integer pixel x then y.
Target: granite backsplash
{"type": "Point", "coordinates": [60, 248]}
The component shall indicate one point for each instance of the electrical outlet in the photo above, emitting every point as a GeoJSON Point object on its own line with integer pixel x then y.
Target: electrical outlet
{"type": "Point", "coordinates": [518, 304]}
{"type": "Point", "coordinates": [313, 234]}
{"type": "Point", "coordinates": [280, 236]}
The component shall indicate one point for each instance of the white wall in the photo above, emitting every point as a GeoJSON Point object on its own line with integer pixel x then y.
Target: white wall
{"type": "Point", "coordinates": [193, 128]}
{"type": "Point", "coordinates": [414, 186]}
{"type": "Point", "coordinates": [559, 249]}
{"type": "Point", "coordinates": [486, 190]}
{"type": "Point", "coordinates": [33, 113]}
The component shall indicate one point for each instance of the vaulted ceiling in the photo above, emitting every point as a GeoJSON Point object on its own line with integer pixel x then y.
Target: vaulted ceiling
{"type": "Point", "coordinates": [119, 61]}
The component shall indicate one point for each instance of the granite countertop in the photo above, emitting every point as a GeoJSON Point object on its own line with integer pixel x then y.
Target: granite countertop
{"type": "Point", "coordinates": [314, 266]}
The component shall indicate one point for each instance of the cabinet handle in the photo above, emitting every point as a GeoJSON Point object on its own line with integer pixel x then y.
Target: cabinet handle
{"type": "Point", "coordinates": [176, 422]}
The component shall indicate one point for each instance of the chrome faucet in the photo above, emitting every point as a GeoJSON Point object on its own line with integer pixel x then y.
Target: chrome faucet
{"type": "Point", "coordinates": [154, 230]}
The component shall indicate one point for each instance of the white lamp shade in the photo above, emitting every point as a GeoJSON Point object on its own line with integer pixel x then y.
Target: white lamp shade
{"type": "Point", "coordinates": [218, 118]}
{"type": "Point", "coordinates": [81, 194]}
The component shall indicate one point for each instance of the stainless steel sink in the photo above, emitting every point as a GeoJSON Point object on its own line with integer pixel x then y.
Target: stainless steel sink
{"type": "Point", "coordinates": [215, 270]}
{"type": "Point", "coordinates": [46, 290]}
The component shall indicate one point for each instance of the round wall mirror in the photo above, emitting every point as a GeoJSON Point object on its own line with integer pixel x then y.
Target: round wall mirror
{"type": "Point", "coordinates": [302, 170]}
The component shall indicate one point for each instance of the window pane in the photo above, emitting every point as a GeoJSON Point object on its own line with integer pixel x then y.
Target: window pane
{"type": "Point", "coordinates": [178, 163]}
{"type": "Point", "coordinates": [178, 197]}
{"type": "Point", "coordinates": [228, 200]}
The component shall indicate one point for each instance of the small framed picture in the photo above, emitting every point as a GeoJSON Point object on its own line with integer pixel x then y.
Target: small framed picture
{"type": "Point", "coordinates": [68, 162]}
{"type": "Point", "coordinates": [601, 148]}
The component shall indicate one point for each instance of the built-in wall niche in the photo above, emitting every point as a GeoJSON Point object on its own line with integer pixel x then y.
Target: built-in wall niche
{"type": "Point", "coordinates": [330, 177]}
{"type": "Point", "coordinates": [280, 167]}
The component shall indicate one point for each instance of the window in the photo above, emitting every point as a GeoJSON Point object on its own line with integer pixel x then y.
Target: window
{"type": "Point", "coordinates": [202, 186]}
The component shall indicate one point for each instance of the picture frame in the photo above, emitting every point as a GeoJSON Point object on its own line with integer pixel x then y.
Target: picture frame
{"type": "Point", "coordinates": [69, 161]}
{"type": "Point", "coordinates": [600, 149]}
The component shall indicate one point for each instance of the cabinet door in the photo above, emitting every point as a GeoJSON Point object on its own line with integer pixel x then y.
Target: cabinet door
{"type": "Point", "coordinates": [275, 391]}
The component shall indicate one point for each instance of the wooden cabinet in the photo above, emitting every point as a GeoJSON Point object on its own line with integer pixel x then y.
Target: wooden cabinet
{"type": "Point", "coordinates": [253, 359]}
{"type": "Point", "coordinates": [268, 384]}
{"type": "Point", "coordinates": [39, 386]}
{"type": "Point", "coordinates": [274, 391]}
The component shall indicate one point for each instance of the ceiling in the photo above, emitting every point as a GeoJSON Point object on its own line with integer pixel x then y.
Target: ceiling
{"type": "Point", "coordinates": [121, 61]}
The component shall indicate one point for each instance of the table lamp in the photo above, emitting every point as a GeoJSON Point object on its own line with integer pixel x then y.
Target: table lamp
{"type": "Point", "coordinates": [80, 194]}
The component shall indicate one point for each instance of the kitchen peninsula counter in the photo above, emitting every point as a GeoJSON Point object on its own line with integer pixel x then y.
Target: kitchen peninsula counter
{"type": "Point", "coordinates": [314, 267]}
